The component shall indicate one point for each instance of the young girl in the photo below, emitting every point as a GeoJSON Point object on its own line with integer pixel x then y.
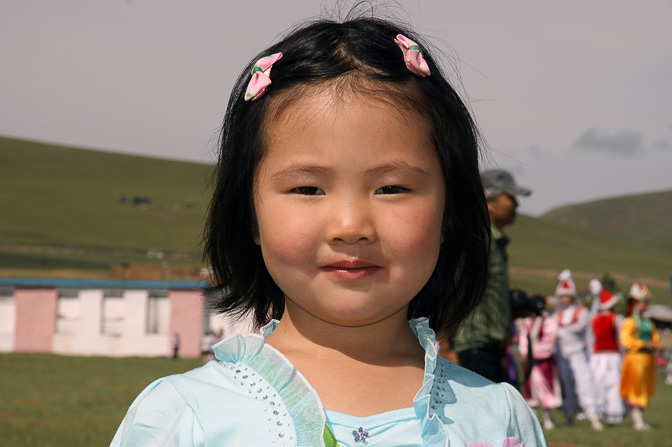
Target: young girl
{"type": "Point", "coordinates": [347, 202]}
{"type": "Point", "coordinates": [640, 339]}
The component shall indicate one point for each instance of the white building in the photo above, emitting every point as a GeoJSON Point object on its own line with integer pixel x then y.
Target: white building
{"type": "Point", "coordinates": [115, 318]}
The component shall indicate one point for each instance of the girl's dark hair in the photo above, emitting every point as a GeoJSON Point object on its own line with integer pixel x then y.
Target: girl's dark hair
{"type": "Point", "coordinates": [361, 53]}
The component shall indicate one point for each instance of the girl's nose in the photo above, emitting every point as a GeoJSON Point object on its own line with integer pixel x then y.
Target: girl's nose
{"type": "Point", "coordinates": [351, 223]}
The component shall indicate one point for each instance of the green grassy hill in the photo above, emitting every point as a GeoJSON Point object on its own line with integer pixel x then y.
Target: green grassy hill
{"type": "Point", "coordinates": [540, 248]}
{"type": "Point", "coordinates": [62, 207]}
{"type": "Point", "coordinates": [62, 216]}
{"type": "Point", "coordinates": [642, 218]}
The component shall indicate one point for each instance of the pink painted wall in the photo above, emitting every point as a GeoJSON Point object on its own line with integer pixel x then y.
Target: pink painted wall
{"type": "Point", "coordinates": [186, 318]}
{"type": "Point", "coordinates": [35, 319]}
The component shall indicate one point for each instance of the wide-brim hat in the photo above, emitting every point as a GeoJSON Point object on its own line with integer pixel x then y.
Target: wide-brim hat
{"type": "Point", "coordinates": [640, 292]}
{"type": "Point", "coordinates": [503, 182]}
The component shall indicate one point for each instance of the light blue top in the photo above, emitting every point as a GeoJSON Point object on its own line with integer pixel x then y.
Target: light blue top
{"type": "Point", "coordinates": [252, 396]}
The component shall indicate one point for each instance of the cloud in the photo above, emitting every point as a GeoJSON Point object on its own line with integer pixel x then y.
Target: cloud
{"type": "Point", "coordinates": [662, 145]}
{"type": "Point", "coordinates": [625, 142]}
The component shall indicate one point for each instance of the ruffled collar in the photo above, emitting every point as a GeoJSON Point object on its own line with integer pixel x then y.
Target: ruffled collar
{"type": "Point", "coordinates": [302, 401]}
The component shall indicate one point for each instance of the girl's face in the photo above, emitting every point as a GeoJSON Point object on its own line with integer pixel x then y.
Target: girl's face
{"type": "Point", "coordinates": [349, 200]}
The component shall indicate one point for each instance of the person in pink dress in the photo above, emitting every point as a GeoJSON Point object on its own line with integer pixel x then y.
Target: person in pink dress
{"type": "Point", "coordinates": [536, 344]}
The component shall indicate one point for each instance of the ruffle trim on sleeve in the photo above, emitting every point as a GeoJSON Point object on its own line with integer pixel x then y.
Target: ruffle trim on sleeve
{"type": "Point", "coordinates": [300, 399]}
{"type": "Point", "coordinates": [432, 395]}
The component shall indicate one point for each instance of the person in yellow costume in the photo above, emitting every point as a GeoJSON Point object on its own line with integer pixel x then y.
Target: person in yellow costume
{"type": "Point", "coordinates": [640, 339]}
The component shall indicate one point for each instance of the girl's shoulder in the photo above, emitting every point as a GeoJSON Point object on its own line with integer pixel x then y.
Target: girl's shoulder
{"type": "Point", "coordinates": [458, 385]}
{"type": "Point", "coordinates": [249, 394]}
{"type": "Point", "coordinates": [477, 410]}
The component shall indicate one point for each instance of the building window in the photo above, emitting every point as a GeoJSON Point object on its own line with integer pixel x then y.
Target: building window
{"type": "Point", "coordinates": [68, 311]}
{"type": "Point", "coordinates": [7, 310]}
{"type": "Point", "coordinates": [158, 312]}
{"type": "Point", "coordinates": [114, 308]}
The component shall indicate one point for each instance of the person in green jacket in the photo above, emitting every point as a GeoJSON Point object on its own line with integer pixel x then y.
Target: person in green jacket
{"type": "Point", "coordinates": [479, 345]}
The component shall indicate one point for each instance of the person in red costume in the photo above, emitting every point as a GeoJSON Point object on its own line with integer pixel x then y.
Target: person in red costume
{"type": "Point", "coordinates": [605, 359]}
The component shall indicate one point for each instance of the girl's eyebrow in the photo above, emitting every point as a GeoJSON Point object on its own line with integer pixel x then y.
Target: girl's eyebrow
{"type": "Point", "coordinates": [399, 167]}
{"type": "Point", "coordinates": [297, 169]}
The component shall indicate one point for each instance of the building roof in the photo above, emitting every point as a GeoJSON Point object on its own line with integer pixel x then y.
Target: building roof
{"type": "Point", "coordinates": [100, 283]}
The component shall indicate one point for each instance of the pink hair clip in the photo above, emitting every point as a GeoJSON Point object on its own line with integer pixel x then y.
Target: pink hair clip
{"type": "Point", "coordinates": [261, 77]}
{"type": "Point", "coordinates": [412, 56]}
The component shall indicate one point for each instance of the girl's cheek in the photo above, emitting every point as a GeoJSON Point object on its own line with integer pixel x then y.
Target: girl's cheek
{"type": "Point", "coordinates": [286, 236]}
{"type": "Point", "coordinates": [418, 227]}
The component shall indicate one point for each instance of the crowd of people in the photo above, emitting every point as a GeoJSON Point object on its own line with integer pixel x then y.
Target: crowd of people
{"type": "Point", "coordinates": [592, 363]}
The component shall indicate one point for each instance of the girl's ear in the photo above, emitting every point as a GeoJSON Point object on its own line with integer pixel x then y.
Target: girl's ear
{"type": "Point", "coordinates": [255, 232]}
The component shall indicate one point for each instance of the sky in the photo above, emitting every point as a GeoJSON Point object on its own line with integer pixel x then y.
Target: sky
{"type": "Point", "coordinates": [573, 97]}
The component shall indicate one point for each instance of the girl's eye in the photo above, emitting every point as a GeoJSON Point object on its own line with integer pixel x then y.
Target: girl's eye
{"type": "Point", "coordinates": [308, 191]}
{"type": "Point", "coordinates": [391, 190]}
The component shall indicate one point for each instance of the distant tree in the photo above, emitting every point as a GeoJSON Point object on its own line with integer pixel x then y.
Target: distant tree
{"type": "Point", "coordinates": [609, 283]}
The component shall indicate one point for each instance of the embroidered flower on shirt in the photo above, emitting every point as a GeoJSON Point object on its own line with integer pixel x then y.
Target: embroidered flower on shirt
{"type": "Point", "coordinates": [508, 442]}
{"type": "Point", "coordinates": [360, 435]}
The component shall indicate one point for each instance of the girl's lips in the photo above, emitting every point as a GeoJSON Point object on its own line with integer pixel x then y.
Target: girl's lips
{"type": "Point", "coordinates": [350, 270]}
{"type": "Point", "coordinates": [350, 273]}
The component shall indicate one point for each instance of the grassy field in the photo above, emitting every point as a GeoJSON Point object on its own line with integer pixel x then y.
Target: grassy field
{"type": "Point", "coordinates": [55, 401]}
{"type": "Point", "coordinates": [657, 416]}
{"type": "Point", "coordinates": [47, 400]}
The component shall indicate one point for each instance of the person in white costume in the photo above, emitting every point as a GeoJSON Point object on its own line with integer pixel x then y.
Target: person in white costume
{"type": "Point", "coordinates": [575, 373]}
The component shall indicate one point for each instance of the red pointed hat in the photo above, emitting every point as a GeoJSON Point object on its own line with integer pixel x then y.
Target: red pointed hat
{"type": "Point", "coordinates": [607, 300]}
{"type": "Point", "coordinates": [565, 285]}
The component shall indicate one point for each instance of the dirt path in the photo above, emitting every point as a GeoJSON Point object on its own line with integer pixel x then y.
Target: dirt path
{"type": "Point", "coordinates": [66, 250]}
{"type": "Point", "coordinates": [620, 277]}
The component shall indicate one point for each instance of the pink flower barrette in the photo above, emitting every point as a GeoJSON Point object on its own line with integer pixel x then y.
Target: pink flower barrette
{"type": "Point", "coordinates": [412, 56]}
{"type": "Point", "coordinates": [261, 77]}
